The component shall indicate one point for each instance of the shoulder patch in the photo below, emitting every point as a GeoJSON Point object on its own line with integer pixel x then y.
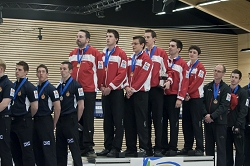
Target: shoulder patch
{"type": "Point", "coordinates": [12, 92]}
{"type": "Point", "coordinates": [146, 66]}
{"type": "Point", "coordinates": [228, 98]}
{"type": "Point", "coordinates": [80, 92]}
{"type": "Point", "coordinates": [35, 94]}
{"type": "Point", "coordinates": [100, 65]}
{"type": "Point", "coordinates": [56, 94]}
{"type": "Point", "coordinates": [123, 64]}
{"type": "Point", "coordinates": [201, 74]}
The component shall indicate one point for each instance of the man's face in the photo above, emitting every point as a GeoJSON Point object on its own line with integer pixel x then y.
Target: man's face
{"type": "Point", "coordinates": [41, 74]}
{"type": "Point", "coordinates": [172, 49]}
{"type": "Point", "coordinates": [193, 54]}
{"type": "Point", "coordinates": [218, 72]}
{"type": "Point", "coordinates": [20, 73]}
{"type": "Point", "coordinates": [81, 39]}
{"type": "Point", "coordinates": [149, 39]}
{"type": "Point", "coordinates": [110, 39]}
{"type": "Point", "coordinates": [235, 79]}
{"type": "Point", "coordinates": [65, 72]}
{"type": "Point", "coordinates": [137, 47]}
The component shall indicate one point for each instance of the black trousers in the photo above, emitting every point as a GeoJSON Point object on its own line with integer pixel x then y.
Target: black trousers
{"type": "Point", "coordinates": [5, 152]}
{"type": "Point", "coordinates": [22, 141]}
{"type": "Point", "coordinates": [67, 135]}
{"type": "Point", "coordinates": [113, 109]}
{"type": "Point", "coordinates": [44, 141]}
{"type": "Point", "coordinates": [135, 121]}
{"type": "Point", "coordinates": [247, 147]}
{"type": "Point", "coordinates": [238, 141]}
{"type": "Point", "coordinates": [216, 133]}
{"type": "Point", "coordinates": [192, 123]}
{"type": "Point", "coordinates": [172, 114]}
{"type": "Point", "coordinates": [87, 121]}
{"type": "Point", "coordinates": [155, 111]}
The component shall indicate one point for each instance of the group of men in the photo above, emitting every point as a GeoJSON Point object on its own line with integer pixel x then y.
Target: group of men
{"type": "Point", "coordinates": [156, 86]}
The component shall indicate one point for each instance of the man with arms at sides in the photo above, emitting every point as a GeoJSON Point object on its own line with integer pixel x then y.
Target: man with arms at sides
{"type": "Point", "coordinates": [216, 103]}
{"type": "Point", "coordinates": [236, 120]}
{"type": "Point", "coordinates": [115, 64]}
{"type": "Point", "coordinates": [84, 60]}
{"type": "Point", "coordinates": [72, 105]}
{"type": "Point", "coordinates": [6, 95]}
{"type": "Point", "coordinates": [193, 105]}
{"type": "Point", "coordinates": [247, 128]}
{"type": "Point", "coordinates": [136, 100]}
{"type": "Point", "coordinates": [156, 92]}
{"type": "Point", "coordinates": [24, 107]}
{"type": "Point", "coordinates": [44, 124]}
{"type": "Point", "coordinates": [173, 97]}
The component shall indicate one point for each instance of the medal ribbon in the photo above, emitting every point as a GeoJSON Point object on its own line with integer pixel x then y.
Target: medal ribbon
{"type": "Point", "coordinates": [107, 55]}
{"type": "Point", "coordinates": [235, 89]}
{"type": "Point", "coordinates": [62, 90]}
{"type": "Point", "coordinates": [152, 52]}
{"type": "Point", "coordinates": [41, 91]}
{"type": "Point", "coordinates": [193, 66]}
{"type": "Point", "coordinates": [134, 60]}
{"type": "Point", "coordinates": [216, 90]}
{"type": "Point", "coordinates": [19, 87]}
{"type": "Point", "coordinates": [176, 59]}
{"type": "Point", "coordinates": [79, 59]}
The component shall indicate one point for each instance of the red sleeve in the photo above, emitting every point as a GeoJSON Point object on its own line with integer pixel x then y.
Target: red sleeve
{"type": "Point", "coordinates": [185, 82]}
{"type": "Point", "coordinates": [168, 69]}
{"type": "Point", "coordinates": [200, 75]}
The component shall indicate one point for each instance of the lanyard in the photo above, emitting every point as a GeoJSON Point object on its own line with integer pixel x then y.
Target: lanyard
{"type": "Point", "coordinates": [216, 90]}
{"type": "Point", "coordinates": [152, 51]}
{"type": "Point", "coordinates": [235, 89]}
{"type": "Point", "coordinates": [41, 91]}
{"type": "Point", "coordinates": [107, 55]}
{"type": "Point", "coordinates": [193, 66]}
{"type": "Point", "coordinates": [62, 90]}
{"type": "Point", "coordinates": [175, 61]}
{"type": "Point", "coordinates": [134, 60]}
{"type": "Point", "coordinates": [79, 59]}
{"type": "Point", "coordinates": [19, 87]}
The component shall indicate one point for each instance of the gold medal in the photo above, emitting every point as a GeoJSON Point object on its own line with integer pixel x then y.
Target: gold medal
{"type": "Point", "coordinates": [132, 74]}
{"type": "Point", "coordinates": [215, 101]}
{"type": "Point", "coordinates": [61, 98]}
{"type": "Point", "coordinates": [78, 65]}
{"type": "Point", "coordinates": [19, 93]}
{"type": "Point", "coordinates": [67, 94]}
{"type": "Point", "coordinates": [43, 96]}
{"type": "Point", "coordinates": [0, 89]}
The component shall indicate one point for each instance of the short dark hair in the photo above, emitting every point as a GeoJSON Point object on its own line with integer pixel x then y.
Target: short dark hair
{"type": "Point", "coordinates": [236, 71]}
{"type": "Point", "coordinates": [68, 63]}
{"type": "Point", "coordinates": [195, 48]}
{"type": "Point", "coordinates": [116, 34]}
{"type": "Point", "coordinates": [87, 34]}
{"type": "Point", "coordinates": [153, 34]}
{"type": "Point", "coordinates": [178, 43]}
{"type": "Point", "coordinates": [24, 64]}
{"type": "Point", "coordinates": [141, 40]}
{"type": "Point", "coordinates": [42, 66]}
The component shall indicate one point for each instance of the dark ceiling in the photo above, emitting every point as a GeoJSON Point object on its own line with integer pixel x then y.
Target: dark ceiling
{"type": "Point", "coordinates": [137, 13]}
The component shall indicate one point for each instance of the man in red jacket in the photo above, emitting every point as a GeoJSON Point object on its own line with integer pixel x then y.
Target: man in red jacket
{"type": "Point", "coordinates": [136, 101]}
{"type": "Point", "coordinates": [192, 106]}
{"type": "Point", "coordinates": [85, 60]}
{"type": "Point", "coordinates": [114, 77]}
{"type": "Point", "coordinates": [155, 102]}
{"type": "Point", "coordinates": [174, 97]}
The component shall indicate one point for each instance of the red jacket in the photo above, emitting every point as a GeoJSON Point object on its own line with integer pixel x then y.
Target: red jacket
{"type": "Point", "coordinates": [160, 65]}
{"type": "Point", "coordinates": [87, 74]}
{"type": "Point", "coordinates": [196, 79]}
{"type": "Point", "coordinates": [180, 77]}
{"type": "Point", "coordinates": [140, 81]}
{"type": "Point", "coordinates": [114, 76]}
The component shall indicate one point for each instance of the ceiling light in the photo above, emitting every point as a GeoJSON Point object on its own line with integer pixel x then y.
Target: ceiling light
{"type": "Point", "coordinates": [209, 2]}
{"type": "Point", "coordinates": [160, 13]}
{"type": "Point", "coordinates": [183, 8]}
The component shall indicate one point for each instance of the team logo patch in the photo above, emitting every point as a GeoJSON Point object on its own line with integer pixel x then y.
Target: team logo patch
{"type": "Point", "coordinates": [12, 92]}
{"type": "Point", "coordinates": [71, 140]}
{"type": "Point", "coordinates": [228, 98]}
{"type": "Point", "coordinates": [247, 103]}
{"type": "Point", "coordinates": [67, 94]}
{"type": "Point", "coordinates": [100, 64]}
{"type": "Point", "coordinates": [35, 94]}
{"type": "Point", "coordinates": [146, 66]}
{"type": "Point", "coordinates": [1, 89]}
{"type": "Point", "coordinates": [43, 96]}
{"type": "Point", "coordinates": [19, 93]}
{"type": "Point", "coordinates": [25, 144]}
{"type": "Point", "coordinates": [201, 74]}
{"type": "Point", "coordinates": [46, 143]}
{"type": "Point", "coordinates": [80, 92]}
{"type": "Point", "coordinates": [56, 94]}
{"type": "Point", "coordinates": [124, 64]}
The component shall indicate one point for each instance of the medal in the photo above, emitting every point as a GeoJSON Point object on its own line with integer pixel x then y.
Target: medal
{"type": "Point", "coordinates": [61, 98]}
{"type": "Point", "coordinates": [78, 65]}
{"type": "Point", "coordinates": [131, 74]}
{"type": "Point", "coordinates": [67, 94]}
{"type": "Point", "coordinates": [0, 89]}
{"type": "Point", "coordinates": [43, 96]}
{"type": "Point", "coordinates": [19, 93]}
{"type": "Point", "coordinates": [216, 90]}
{"type": "Point", "coordinates": [215, 101]}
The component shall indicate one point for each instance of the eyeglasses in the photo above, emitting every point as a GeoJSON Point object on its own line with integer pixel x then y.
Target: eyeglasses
{"type": "Point", "coordinates": [218, 71]}
{"type": "Point", "coordinates": [134, 44]}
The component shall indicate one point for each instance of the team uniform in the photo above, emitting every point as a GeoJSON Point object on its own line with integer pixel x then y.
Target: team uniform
{"type": "Point", "coordinates": [192, 109]}
{"type": "Point", "coordinates": [177, 91]}
{"type": "Point", "coordinates": [22, 123]}
{"type": "Point", "coordinates": [155, 102]}
{"type": "Point", "coordinates": [216, 103]}
{"type": "Point", "coordinates": [67, 126]}
{"type": "Point", "coordinates": [85, 62]}
{"type": "Point", "coordinates": [43, 136]}
{"type": "Point", "coordinates": [114, 69]}
{"type": "Point", "coordinates": [6, 91]}
{"type": "Point", "coordinates": [136, 107]}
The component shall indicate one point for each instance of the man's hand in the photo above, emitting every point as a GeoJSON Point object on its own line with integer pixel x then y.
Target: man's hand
{"type": "Point", "coordinates": [166, 85]}
{"type": "Point", "coordinates": [208, 119]}
{"type": "Point", "coordinates": [178, 103]}
{"type": "Point", "coordinates": [187, 97]}
{"type": "Point", "coordinates": [129, 92]}
{"type": "Point", "coordinates": [106, 91]}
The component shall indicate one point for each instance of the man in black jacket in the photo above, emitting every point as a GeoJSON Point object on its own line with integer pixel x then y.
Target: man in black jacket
{"type": "Point", "coordinates": [216, 102]}
{"type": "Point", "coordinates": [236, 120]}
{"type": "Point", "coordinates": [247, 129]}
